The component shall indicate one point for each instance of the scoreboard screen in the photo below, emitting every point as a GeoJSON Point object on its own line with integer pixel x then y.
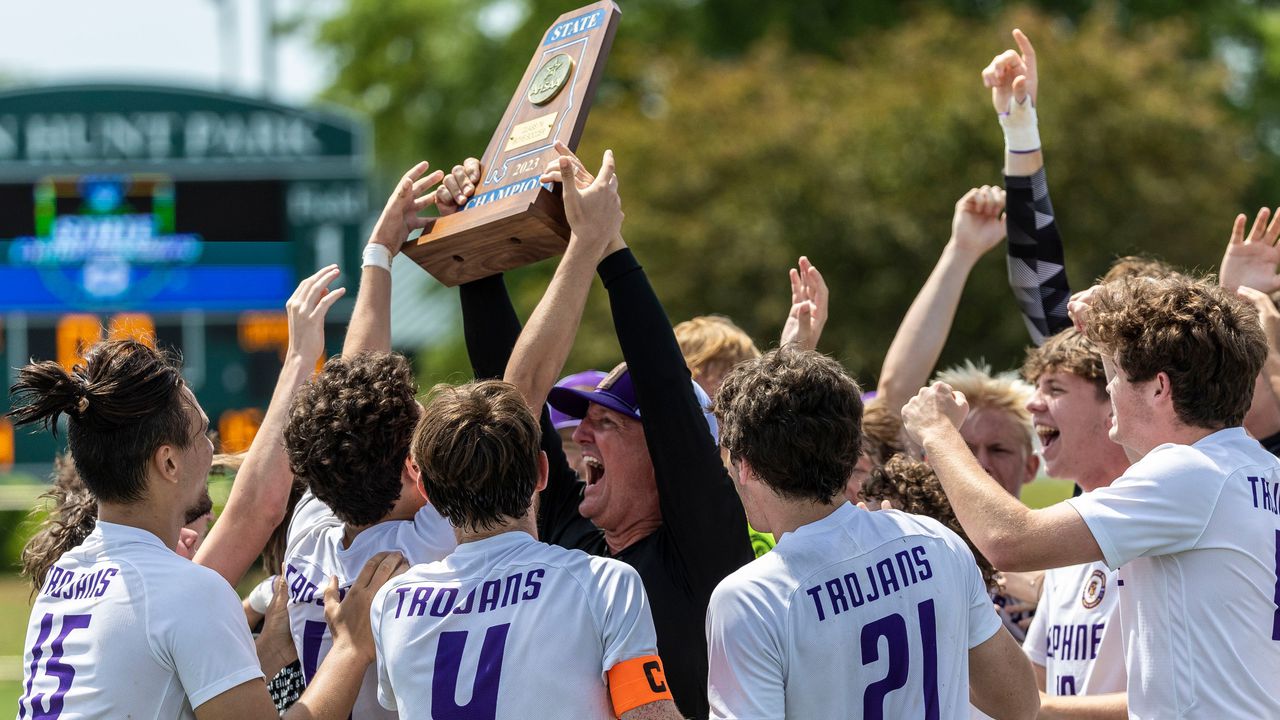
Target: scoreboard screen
{"type": "Point", "coordinates": [177, 217]}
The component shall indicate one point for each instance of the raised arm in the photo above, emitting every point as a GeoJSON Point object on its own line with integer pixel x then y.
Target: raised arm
{"type": "Point", "coordinates": [700, 509]}
{"type": "Point", "coordinates": [370, 326]}
{"type": "Point", "coordinates": [976, 228]}
{"type": "Point", "coordinates": [595, 217]}
{"type": "Point", "coordinates": [260, 496]}
{"type": "Point", "coordinates": [1037, 273]}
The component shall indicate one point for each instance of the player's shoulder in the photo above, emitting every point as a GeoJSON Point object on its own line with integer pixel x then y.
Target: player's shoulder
{"type": "Point", "coordinates": [1220, 454]}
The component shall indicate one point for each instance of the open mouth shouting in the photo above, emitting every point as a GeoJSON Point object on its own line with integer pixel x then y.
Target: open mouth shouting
{"type": "Point", "coordinates": [595, 469]}
{"type": "Point", "coordinates": [1048, 438]}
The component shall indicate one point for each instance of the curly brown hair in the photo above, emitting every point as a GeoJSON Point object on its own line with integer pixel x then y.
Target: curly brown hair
{"type": "Point", "coordinates": [349, 431]}
{"type": "Point", "coordinates": [1068, 351]}
{"type": "Point", "coordinates": [796, 417]}
{"type": "Point", "coordinates": [1136, 266]}
{"type": "Point", "coordinates": [1206, 340]}
{"type": "Point", "coordinates": [73, 512]}
{"type": "Point", "coordinates": [477, 448]}
{"type": "Point", "coordinates": [912, 487]}
{"type": "Point", "coordinates": [882, 432]}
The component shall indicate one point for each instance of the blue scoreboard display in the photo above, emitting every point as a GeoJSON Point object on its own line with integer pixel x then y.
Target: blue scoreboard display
{"type": "Point", "coordinates": [181, 217]}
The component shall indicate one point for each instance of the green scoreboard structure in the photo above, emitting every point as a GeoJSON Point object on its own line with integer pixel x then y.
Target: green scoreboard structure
{"type": "Point", "coordinates": [179, 216]}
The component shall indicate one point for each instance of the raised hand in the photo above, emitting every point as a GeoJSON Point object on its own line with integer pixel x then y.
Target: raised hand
{"type": "Point", "coordinates": [1078, 307]}
{"type": "Point", "coordinates": [458, 187]}
{"type": "Point", "coordinates": [934, 406]}
{"type": "Point", "coordinates": [1251, 261]}
{"type": "Point", "coordinates": [413, 194]}
{"type": "Point", "coordinates": [1012, 76]}
{"type": "Point", "coordinates": [809, 304]}
{"type": "Point", "coordinates": [978, 223]}
{"type": "Point", "coordinates": [348, 615]}
{"type": "Point", "coordinates": [306, 309]}
{"type": "Point", "coordinates": [591, 204]}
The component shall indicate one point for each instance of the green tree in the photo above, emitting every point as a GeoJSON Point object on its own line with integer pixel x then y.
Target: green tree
{"type": "Point", "coordinates": [733, 164]}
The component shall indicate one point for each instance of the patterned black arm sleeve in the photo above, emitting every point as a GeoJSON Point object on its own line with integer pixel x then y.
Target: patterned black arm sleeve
{"type": "Point", "coordinates": [1037, 272]}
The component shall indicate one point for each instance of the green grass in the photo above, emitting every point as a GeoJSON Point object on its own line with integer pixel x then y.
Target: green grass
{"type": "Point", "coordinates": [1045, 492]}
{"type": "Point", "coordinates": [14, 610]}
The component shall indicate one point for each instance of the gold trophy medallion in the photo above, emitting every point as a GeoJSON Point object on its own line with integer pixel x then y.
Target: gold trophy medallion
{"type": "Point", "coordinates": [550, 79]}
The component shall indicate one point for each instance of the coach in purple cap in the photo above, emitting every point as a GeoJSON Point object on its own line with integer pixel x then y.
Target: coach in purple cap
{"type": "Point", "coordinates": [656, 495]}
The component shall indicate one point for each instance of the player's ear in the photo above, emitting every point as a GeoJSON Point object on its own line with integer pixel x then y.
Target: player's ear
{"type": "Point", "coordinates": [165, 463]}
{"type": "Point", "coordinates": [543, 471]}
{"type": "Point", "coordinates": [1033, 466]}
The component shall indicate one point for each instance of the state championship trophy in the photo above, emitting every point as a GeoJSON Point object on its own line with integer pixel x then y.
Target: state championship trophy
{"type": "Point", "coordinates": [512, 219]}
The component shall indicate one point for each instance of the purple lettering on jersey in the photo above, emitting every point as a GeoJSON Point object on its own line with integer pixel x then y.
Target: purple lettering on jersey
{"type": "Point", "coordinates": [489, 595]}
{"type": "Point", "coordinates": [856, 598]}
{"type": "Point", "coordinates": [483, 704]}
{"type": "Point", "coordinates": [444, 601]}
{"type": "Point", "coordinates": [420, 597]}
{"type": "Point", "coordinates": [888, 579]}
{"type": "Point", "coordinates": [1267, 499]}
{"type": "Point", "coordinates": [835, 591]}
{"type": "Point", "coordinates": [922, 562]}
{"type": "Point", "coordinates": [815, 592]}
{"type": "Point", "coordinates": [531, 586]}
{"type": "Point", "coordinates": [37, 652]}
{"type": "Point", "coordinates": [906, 568]}
{"type": "Point", "coordinates": [465, 607]}
{"type": "Point", "coordinates": [400, 593]}
{"type": "Point", "coordinates": [1253, 483]}
{"type": "Point", "coordinates": [1095, 639]}
{"type": "Point", "coordinates": [873, 593]}
{"type": "Point", "coordinates": [511, 591]}
{"type": "Point", "coordinates": [312, 638]}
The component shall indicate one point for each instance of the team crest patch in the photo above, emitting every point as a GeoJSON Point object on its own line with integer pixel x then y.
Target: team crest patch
{"type": "Point", "coordinates": [1094, 589]}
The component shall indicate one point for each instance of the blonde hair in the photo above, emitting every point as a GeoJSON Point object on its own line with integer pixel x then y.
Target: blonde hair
{"type": "Point", "coordinates": [1005, 392]}
{"type": "Point", "coordinates": [712, 342]}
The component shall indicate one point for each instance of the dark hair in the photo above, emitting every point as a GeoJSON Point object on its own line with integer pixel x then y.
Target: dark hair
{"type": "Point", "coordinates": [1068, 351]}
{"type": "Point", "coordinates": [122, 404]}
{"type": "Point", "coordinates": [796, 416]}
{"type": "Point", "coordinates": [477, 448]}
{"type": "Point", "coordinates": [912, 487]}
{"type": "Point", "coordinates": [1206, 340]}
{"type": "Point", "coordinates": [70, 519]}
{"type": "Point", "coordinates": [349, 430]}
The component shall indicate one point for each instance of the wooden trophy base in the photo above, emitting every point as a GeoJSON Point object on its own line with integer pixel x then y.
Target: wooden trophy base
{"type": "Point", "coordinates": [462, 247]}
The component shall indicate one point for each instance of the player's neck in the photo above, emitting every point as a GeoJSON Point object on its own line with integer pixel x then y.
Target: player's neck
{"type": "Point", "coordinates": [525, 524]}
{"type": "Point", "coordinates": [786, 516]}
{"type": "Point", "coordinates": [161, 522]}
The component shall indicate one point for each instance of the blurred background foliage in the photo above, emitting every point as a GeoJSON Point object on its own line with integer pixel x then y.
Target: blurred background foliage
{"type": "Point", "coordinates": [750, 133]}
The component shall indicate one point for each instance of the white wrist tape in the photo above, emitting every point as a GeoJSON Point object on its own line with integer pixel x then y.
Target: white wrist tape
{"type": "Point", "coordinates": [1021, 127]}
{"type": "Point", "coordinates": [376, 256]}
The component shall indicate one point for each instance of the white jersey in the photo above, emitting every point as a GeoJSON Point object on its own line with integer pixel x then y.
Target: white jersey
{"type": "Point", "coordinates": [1195, 532]}
{"type": "Point", "coordinates": [509, 627]}
{"type": "Point", "coordinates": [1077, 610]}
{"type": "Point", "coordinates": [315, 553]}
{"type": "Point", "coordinates": [126, 628]}
{"type": "Point", "coordinates": [866, 614]}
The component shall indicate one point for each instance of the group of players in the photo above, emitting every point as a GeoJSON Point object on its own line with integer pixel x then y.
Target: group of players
{"type": "Point", "coordinates": [518, 547]}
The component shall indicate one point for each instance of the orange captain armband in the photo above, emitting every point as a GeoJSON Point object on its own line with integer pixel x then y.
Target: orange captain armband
{"type": "Point", "coordinates": [638, 681]}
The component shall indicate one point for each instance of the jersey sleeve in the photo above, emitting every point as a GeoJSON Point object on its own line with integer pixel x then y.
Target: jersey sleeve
{"type": "Point", "coordinates": [209, 656]}
{"type": "Point", "coordinates": [745, 678]}
{"type": "Point", "coordinates": [1160, 506]}
{"type": "Point", "coordinates": [984, 622]}
{"type": "Point", "coordinates": [386, 695]}
{"type": "Point", "coordinates": [622, 607]}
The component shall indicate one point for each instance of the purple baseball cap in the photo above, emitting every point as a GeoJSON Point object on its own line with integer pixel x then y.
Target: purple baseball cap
{"type": "Point", "coordinates": [585, 380]}
{"type": "Point", "coordinates": [618, 393]}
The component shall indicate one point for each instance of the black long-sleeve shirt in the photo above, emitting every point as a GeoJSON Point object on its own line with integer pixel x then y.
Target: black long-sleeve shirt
{"type": "Point", "coordinates": [703, 536]}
